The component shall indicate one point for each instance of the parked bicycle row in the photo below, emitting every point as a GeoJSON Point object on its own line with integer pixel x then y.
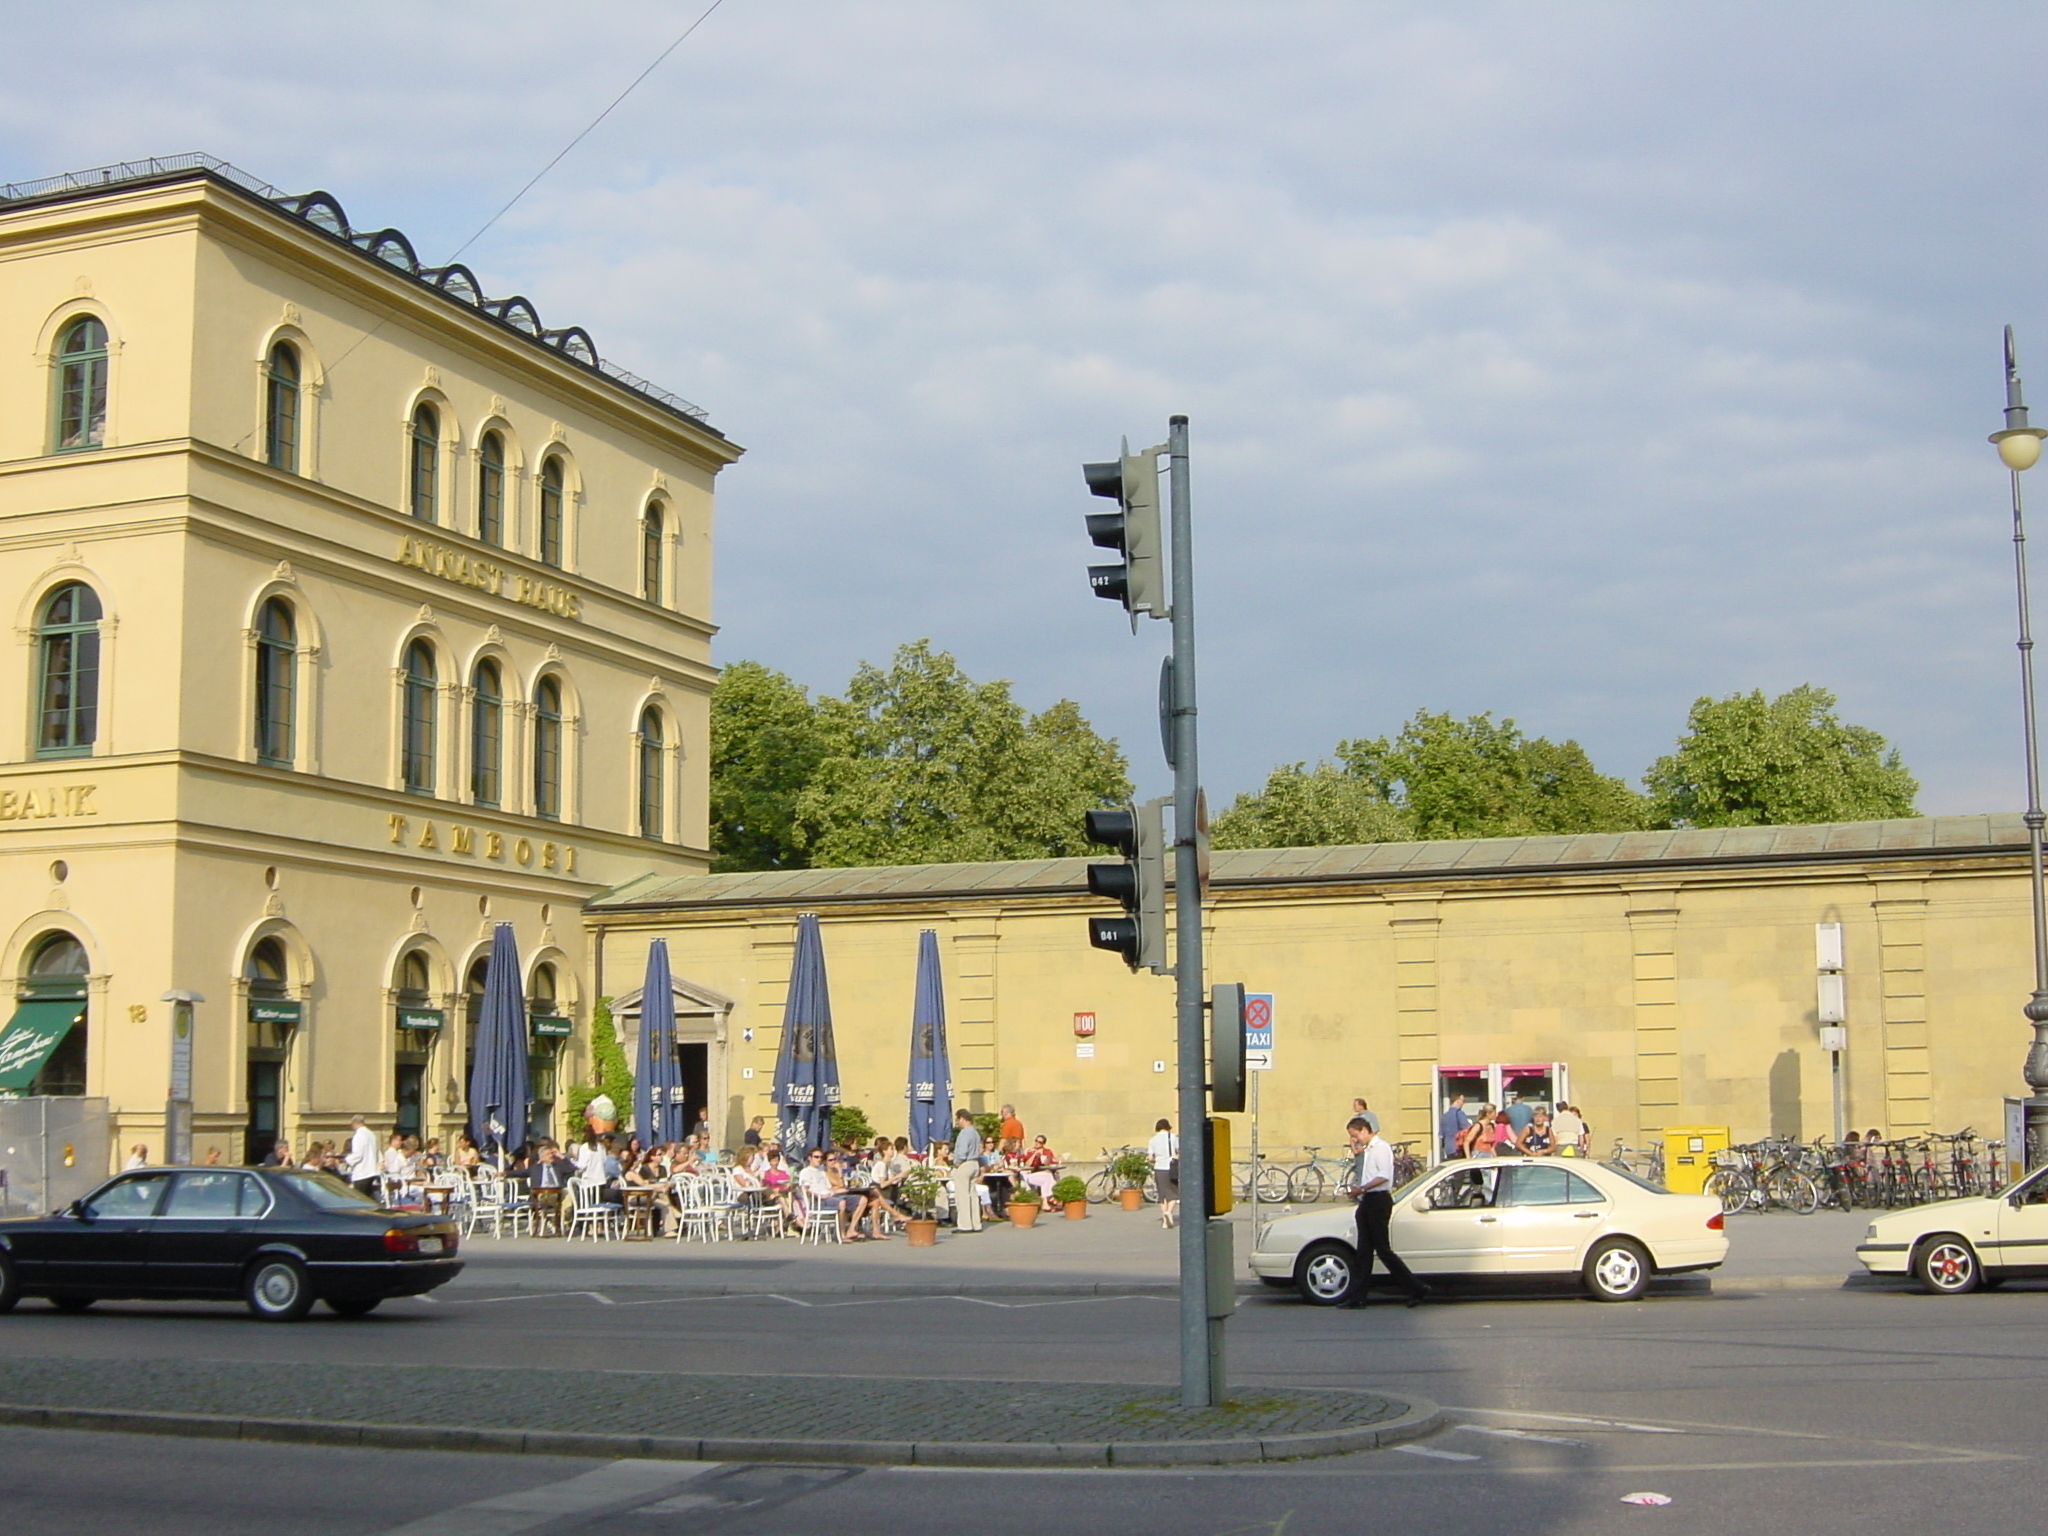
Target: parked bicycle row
{"type": "Point", "coordinates": [1868, 1172]}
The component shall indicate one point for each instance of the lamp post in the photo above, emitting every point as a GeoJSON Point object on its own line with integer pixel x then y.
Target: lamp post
{"type": "Point", "coordinates": [2019, 447]}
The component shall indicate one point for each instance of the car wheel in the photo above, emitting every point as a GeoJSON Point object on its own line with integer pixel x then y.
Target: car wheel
{"type": "Point", "coordinates": [10, 1284]}
{"type": "Point", "coordinates": [1947, 1266]}
{"type": "Point", "coordinates": [1617, 1270]}
{"type": "Point", "coordinates": [1324, 1272]}
{"type": "Point", "coordinates": [357, 1306]}
{"type": "Point", "coordinates": [71, 1303]}
{"type": "Point", "coordinates": [278, 1290]}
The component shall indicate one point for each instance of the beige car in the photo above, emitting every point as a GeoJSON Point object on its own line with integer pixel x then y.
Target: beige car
{"type": "Point", "coordinates": [1507, 1217]}
{"type": "Point", "coordinates": [1954, 1246]}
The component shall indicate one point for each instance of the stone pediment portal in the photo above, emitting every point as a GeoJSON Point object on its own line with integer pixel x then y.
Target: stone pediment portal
{"type": "Point", "coordinates": [701, 1013]}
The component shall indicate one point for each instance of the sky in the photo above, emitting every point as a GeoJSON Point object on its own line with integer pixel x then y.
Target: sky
{"type": "Point", "coordinates": [1568, 362]}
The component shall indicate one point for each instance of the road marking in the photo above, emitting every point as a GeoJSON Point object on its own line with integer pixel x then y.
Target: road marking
{"type": "Point", "coordinates": [1424, 1450]}
{"type": "Point", "coordinates": [616, 1483]}
{"type": "Point", "coordinates": [797, 1301]}
{"type": "Point", "coordinates": [597, 1296]}
{"type": "Point", "coordinates": [1515, 1434]}
{"type": "Point", "coordinates": [1566, 1418]}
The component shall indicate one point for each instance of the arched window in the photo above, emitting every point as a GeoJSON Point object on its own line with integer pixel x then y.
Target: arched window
{"type": "Point", "coordinates": [416, 749]}
{"type": "Point", "coordinates": [56, 973]}
{"type": "Point", "coordinates": [82, 385]}
{"type": "Point", "coordinates": [281, 408]}
{"type": "Point", "coordinates": [653, 773]}
{"type": "Point", "coordinates": [490, 489]}
{"type": "Point", "coordinates": [68, 651]}
{"type": "Point", "coordinates": [277, 656]}
{"type": "Point", "coordinates": [426, 463]}
{"type": "Point", "coordinates": [472, 1017]}
{"type": "Point", "coordinates": [266, 971]}
{"type": "Point", "coordinates": [415, 980]}
{"type": "Point", "coordinates": [652, 533]}
{"type": "Point", "coordinates": [486, 735]}
{"type": "Point", "coordinates": [551, 512]}
{"type": "Point", "coordinates": [547, 748]}
{"type": "Point", "coordinates": [542, 996]}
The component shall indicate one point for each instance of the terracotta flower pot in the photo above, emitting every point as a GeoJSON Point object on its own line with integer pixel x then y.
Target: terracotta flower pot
{"type": "Point", "coordinates": [1021, 1213]}
{"type": "Point", "coordinates": [1074, 1210]}
{"type": "Point", "coordinates": [1131, 1199]}
{"type": "Point", "coordinates": [923, 1234]}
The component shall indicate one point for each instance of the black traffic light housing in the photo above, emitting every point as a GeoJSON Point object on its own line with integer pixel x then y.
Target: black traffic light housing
{"type": "Point", "coordinates": [1138, 883]}
{"type": "Point", "coordinates": [1139, 583]}
{"type": "Point", "coordinates": [1226, 1046]}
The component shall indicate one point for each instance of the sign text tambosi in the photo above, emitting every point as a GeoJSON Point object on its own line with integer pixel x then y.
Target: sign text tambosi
{"type": "Point", "coordinates": [472, 843]}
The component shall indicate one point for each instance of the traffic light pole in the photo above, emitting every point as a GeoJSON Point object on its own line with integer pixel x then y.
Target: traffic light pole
{"type": "Point", "coordinates": [1201, 1335]}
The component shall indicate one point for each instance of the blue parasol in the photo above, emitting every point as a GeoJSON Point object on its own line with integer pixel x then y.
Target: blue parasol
{"type": "Point", "coordinates": [499, 1089]}
{"type": "Point", "coordinates": [931, 1072]}
{"type": "Point", "coordinates": [807, 1061]}
{"type": "Point", "coordinates": [656, 1114]}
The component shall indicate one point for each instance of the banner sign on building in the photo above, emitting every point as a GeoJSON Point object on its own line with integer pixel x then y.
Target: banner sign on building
{"type": "Point", "coordinates": [421, 1018]}
{"type": "Point", "coordinates": [548, 1026]}
{"type": "Point", "coordinates": [275, 1011]}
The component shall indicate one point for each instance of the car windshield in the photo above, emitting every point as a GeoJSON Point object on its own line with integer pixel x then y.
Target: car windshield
{"type": "Point", "coordinates": [325, 1191]}
{"type": "Point", "coordinates": [1636, 1178]}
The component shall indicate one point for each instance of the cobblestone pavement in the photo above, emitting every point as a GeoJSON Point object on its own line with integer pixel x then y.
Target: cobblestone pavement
{"type": "Point", "coordinates": [823, 1408]}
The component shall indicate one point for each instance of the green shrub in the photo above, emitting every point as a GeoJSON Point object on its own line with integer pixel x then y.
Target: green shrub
{"type": "Point", "coordinates": [850, 1125]}
{"type": "Point", "coordinates": [1026, 1194]}
{"type": "Point", "coordinates": [610, 1074]}
{"type": "Point", "coordinates": [919, 1192]}
{"type": "Point", "coordinates": [1131, 1169]}
{"type": "Point", "coordinates": [1069, 1190]}
{"type": "Point", "coordinates": [988, 1125]}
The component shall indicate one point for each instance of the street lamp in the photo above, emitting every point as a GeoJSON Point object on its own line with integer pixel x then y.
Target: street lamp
{"type": "Point", "coordinates": [2019, 447]}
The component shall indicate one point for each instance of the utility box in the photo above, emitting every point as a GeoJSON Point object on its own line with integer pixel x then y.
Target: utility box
{"type": "Point", "coordinates": [1689, 1156]}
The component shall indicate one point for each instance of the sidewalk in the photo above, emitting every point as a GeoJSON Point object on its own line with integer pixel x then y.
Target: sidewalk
{"type": "Point", "coordinates": [1112, 1252]}
{"type": "Point", "coordinates": [909, 1422]}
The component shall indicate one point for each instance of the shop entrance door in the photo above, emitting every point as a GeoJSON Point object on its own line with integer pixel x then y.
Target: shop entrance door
{"type": "Point", "coordinates": [266, 1091]}
{"type": "Point", "coordinates": [694, 1057]}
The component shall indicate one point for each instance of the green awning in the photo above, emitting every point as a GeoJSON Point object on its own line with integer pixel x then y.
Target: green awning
{"type": "Point", "coordinates": [37, 1028]}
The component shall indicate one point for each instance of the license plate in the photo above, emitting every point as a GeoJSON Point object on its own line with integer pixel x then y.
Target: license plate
{"type": "Point", "coordinates": [430, 1245]}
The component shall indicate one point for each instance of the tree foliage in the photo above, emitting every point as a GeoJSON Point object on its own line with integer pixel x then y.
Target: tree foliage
{"type": "Point", "coordinates": [1745, 761]}
{"type": "Point", "coordinates": [915, 764]}
{"type": "Point", "coordinates": [1441, 777]}
{"type": "Point", "coordinates": [610, 1072]}
{"type": "Point", "coordinates": [766, 742]}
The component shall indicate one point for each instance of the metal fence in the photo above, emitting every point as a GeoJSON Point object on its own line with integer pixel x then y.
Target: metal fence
{"type": "Point", "coordinates": [52, 1150]}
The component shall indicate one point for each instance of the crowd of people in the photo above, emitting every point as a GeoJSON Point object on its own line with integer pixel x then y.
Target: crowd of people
{"type": "Point", "coordinates": [1516, 1129]}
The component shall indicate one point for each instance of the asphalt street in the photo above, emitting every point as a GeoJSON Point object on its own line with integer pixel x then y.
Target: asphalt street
{"type": "Point", "coordinates": [1821, 1411]}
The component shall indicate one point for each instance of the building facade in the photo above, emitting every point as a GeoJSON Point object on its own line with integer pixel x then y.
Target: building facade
{"type": "Point", "coordinates": [355, 612]}
{"type": "Point", "coordinates": [1655, 979]}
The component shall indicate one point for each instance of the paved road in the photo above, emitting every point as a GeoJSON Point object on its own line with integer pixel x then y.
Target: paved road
{"type": "Point", "coordinates": [1817, 1411]}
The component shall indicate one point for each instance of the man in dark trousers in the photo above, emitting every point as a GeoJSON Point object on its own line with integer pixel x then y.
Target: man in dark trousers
{"type": "Point", "coordinates": [1372, 1181]}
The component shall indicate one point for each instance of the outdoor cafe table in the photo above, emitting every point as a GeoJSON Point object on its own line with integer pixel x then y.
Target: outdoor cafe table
{"type": "Point", "coordinates": [637, 1206]}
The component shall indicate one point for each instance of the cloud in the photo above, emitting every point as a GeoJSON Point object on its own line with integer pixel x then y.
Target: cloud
{"type": "Point", "coordinates": [1564, 363]}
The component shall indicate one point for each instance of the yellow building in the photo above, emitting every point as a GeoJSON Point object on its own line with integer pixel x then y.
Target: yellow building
{"type": "Point", "coordinates": [355, 612]}
{"type": "Point", "coordinates": [1653, 978]}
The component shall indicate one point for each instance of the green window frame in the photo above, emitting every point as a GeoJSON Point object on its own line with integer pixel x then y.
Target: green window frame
{"type": "Point", "coordinates": [81, 406]}
{"type": "Point", "coordinates": [490, 489]}
{"type": "Point", "coordinates": [551, 495]}
{"type": "Point", "coordinates": [277, 684]}
{"type": "Point", "coordinates": [426, 463]}
{"type": "Point", "coordinates": [653, 774]}
{"type": "Point", "coordinates": [281, 408]}
{"type": "Point", "coordinates": [68, 672]}
{"type": "Point", "coordinates": [547, 749]}
{"type": "Point", "coordinates": [653, 530]}
{"type": "Point", "coordinates": [416, 752]}
{"type": "Point", "coordinates": [486, 735]}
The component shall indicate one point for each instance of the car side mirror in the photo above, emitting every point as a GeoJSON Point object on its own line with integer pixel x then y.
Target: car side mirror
{"type": "Point", "coordinates": [2015, 1201]}
{"type": "Point", "coordinates": [77, 1211]}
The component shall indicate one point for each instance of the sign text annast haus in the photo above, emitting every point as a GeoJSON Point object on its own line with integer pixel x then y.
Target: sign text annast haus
{"type": "Point", "coordinates": [488, 576]}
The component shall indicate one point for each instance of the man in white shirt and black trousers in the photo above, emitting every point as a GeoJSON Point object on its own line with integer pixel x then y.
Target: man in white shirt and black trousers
{"type": "Point", "coordinates": [1372, 1181]}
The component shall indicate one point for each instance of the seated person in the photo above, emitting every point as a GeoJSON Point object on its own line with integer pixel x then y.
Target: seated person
{"type": "Point", "coordinates": [1041, 1167]}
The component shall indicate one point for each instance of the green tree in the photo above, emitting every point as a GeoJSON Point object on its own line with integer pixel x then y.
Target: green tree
{"type": "Point", "coordinates": [1319, 807]}
{"type": "Point", "coordinates": [610, 1074]}
{"type": "Point", "coordinates": [923, 765]}
{"type": "Point", "coordinates": [766, 743]}
{"type": "Point", "coordinates": [1750, 762]}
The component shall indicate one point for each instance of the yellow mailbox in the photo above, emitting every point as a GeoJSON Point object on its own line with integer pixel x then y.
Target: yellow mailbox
{"type": "Point", "coordinates": [1689, 1156]}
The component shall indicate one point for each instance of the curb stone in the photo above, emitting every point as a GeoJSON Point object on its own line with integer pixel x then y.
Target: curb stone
{"type": "Point", "coordinates": [1421, 1418]}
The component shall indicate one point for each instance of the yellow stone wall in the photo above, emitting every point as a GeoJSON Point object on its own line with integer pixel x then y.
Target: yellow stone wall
{"type": "Point", "coordinates": [187, 851]}
{"type": "Point", "coordinates": [1679, 998]}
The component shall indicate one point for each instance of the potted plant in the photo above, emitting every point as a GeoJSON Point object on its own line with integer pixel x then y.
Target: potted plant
{"type": "Point", "coordinates": [1072, 1195]}
{"type": "Point", "coordinates": [1022, 1207]}
{"type": "Point", "coordinates": [918, 1194]}
{"type": "Point", "coordinates": [1130, 1170]}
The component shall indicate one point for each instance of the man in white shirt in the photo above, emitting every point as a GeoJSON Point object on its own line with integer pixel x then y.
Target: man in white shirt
{"type": "Point", "coordinates": [1372, 1179]}
{"type": "Point", "coordinates": [360, 1166]}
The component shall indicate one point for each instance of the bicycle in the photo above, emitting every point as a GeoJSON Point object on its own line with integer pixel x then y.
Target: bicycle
{"type": "Point", "coordinates": [1104, 1184]}
{"type": "Point", "coordinates": [1274, 1181]}
{"type": "Point", "coordinates": [1313, 1178]}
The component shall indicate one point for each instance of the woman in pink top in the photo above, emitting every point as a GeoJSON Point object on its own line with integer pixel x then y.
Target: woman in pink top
{"type": "Point", "coordinates": [1506, 1143]}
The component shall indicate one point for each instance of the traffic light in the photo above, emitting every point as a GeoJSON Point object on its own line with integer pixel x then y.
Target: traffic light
{"type": "Point", "coordinates": [1139, 883]}
{"type": "Point", "coordinates": [1226, 1046]}
{"type": "Point", "coordinates": [1139, 583]}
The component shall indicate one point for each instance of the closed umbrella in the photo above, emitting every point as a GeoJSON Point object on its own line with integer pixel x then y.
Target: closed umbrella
{"type": "Point", "coordinates": [931, 1072]}
{"type": "Point", "coordinates": [656, 1114]}
{"type": "Point", "coordinates": [499, 1088]}
{"type": "Point", "coordinates": [807, 1061]}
